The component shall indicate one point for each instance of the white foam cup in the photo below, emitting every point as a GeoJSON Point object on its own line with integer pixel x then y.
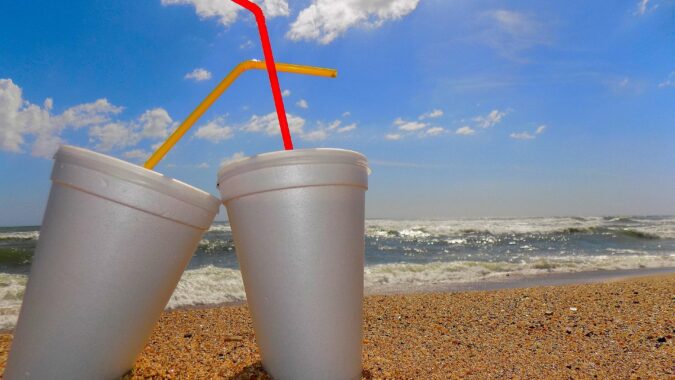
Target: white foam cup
{"type": "Point", "coordinates": [297, 220]}
{"type": "Point", "coordinates": [113, 244]}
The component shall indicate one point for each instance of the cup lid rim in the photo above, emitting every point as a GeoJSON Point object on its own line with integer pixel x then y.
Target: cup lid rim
{"type": "Point", "coordinates": [292, 157]}
{"type": "Point", "coordinates": [136, 174]}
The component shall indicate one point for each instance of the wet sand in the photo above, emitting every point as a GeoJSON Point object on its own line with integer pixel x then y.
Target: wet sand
{"type": "Point", "coordinates": [618, 329]}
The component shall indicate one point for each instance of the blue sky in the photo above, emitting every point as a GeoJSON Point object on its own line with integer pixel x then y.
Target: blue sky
{"type": "Point", "coordinates": [465, 108]}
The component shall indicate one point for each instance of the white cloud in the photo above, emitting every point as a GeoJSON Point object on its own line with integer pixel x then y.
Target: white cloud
{"type": "Point", "coordinates": [393, 136]}
{"type": "Point", "coordinates": [315, 135]}
{"type": "Point", "coordinates": [302, 103]}
{"type": "Point", "coordinates": [347, 128]}
{"type": "Point", "coordinates": [233, 158]}
{"type": "Point", "coordinates": [155, 123]}
{"type": "Point", "coordinates": [286, 92]}
{"type": "Point", "coordinates": [522, 136]}
{"type": "Point", "coordinates": [12, 129]}
{"type": "Point", "coordinates": [226, 11]}
{"type": "Point", "coordinates": [490, 120]}
{"type": "Point", "coordinates": [23, 123]}
{"type": "Point", "coordinates": [87, 114]}
{"type": "Point", "coordinates": [203, 165]}
{"type": "Point", "coordinates": [215, 131]}
{"type": "Point", "coordinates": [198, 75]}
{"type": "Point", "coordinates": [465, 131]}
{"type": "Point", "coordinates": [431, 115]}
{"type": "Point", "coordinates": [409, 126]}
{"type": "Point", "coordinates": [669, 82]}
{"type": "Point", "coordinates": [434, 131]}
{"type": "Point", "coordinates": [346, 114]}
{"type": "Point", "coordinates": [325, 20]}
{"type": "Point", "coordinates": [269, 124]}
{"type": "Point", "coordinates": [540, 129]}
{"type": "Point", "coordinates": [113, 136]}
{"type": "Point", "coordinates": [136, 154]}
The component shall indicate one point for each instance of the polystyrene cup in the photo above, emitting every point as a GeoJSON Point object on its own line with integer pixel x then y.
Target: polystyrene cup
{"type": "Point", "coordinates": [113, 244]}
{"type": "Point", "coordinates": [297, 220]}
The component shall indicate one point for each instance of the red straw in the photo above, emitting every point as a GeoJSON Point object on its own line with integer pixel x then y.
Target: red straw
{"type": "Point", "coordinates": [271, 70]}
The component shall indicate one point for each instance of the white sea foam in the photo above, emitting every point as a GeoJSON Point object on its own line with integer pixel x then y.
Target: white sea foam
{"type": "Point", "coordinates": [214, 285]}
{"type": "Point", "coordinates": [208, 285]}
{"type": "Point", "coordinates": [661, 227]}
{"type": "Point", "coordinates": [220, 227]}
{"type": "Point", "coordinates": [12, 287]}
{"type": "Point", "coordinates": [412, 275]}
{"type": "Point", "coordinates": [20, 235]}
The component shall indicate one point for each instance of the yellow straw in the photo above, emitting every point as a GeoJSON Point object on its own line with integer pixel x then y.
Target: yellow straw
{"type": "Point", "coordinates": [215, 94]}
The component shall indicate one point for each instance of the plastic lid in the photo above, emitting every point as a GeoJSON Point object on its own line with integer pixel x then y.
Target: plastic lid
{"type": "Point", "coordinates": [137, 175]}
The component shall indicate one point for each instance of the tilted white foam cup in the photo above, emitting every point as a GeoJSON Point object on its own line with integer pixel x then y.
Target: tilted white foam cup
{"type": "Point", "coordinates": [297, 220]}
{"type": "Point", "coordinates": [113, 244]}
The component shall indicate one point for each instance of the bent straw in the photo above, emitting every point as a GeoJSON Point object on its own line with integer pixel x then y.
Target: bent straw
{"type": "Point", "coordinates": [218, 91]}
{"type": "Point", "coordinates": [271, 72]}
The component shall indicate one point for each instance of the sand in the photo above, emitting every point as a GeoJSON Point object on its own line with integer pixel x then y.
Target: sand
{"type": "Point", "coordinates": [620, 329]}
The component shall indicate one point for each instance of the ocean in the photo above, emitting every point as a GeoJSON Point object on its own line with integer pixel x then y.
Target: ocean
{"type": "Point", "coordinates": [408, 254]}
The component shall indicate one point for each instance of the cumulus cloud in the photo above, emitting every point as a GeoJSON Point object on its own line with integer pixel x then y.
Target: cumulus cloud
{"type": "Point", "coordinates": [233, 158]}
{"type": "Point", "coordinates": [325, 20]}
{"type": "Point", "coordinates": [23, 124]}
{"type": "Point", "coordinates": [490, 120]}
{"type": "Point", "coordinates": [434, 131]}
{"type": "Point", "coordinates": [302, 103]}
{"type": "Point", "coordinates": [113, 136]}
{"type": "Point", "coordinates": [155, 123]}
{"type": "Point", "coordinates": [522, 136]}
{"type": "Point", "coordinates": [418, 128]}
{"type": "Point", "coordinates": [269, 124]}
{"type": "Point", "coordinates": [465, 131]}
{"type": "Point", "coordinates": [198, 75]}
{"type": "Point", "coordinates": [409, 126]}
{"type": "Point", "coordinates": [315, 135]}
{"type": "Point", "coordinates": [87, 114]}
{"type": "Point", "coordinates": [215, 131]}
{"type": "Point", "coordinates": [136, 154]}
{"type": "Point", "coordinates": [540, 129]}
{"type": "Point", "coordinates": [226, 11]}
{"type": "Point", "coordinates": [432, 114]}
{"type": "Point", "coordinates": [286, 92]}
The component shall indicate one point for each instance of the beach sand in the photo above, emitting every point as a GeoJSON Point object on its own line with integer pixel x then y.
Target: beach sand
{"type": "Point", "coordinates": [620, 329]}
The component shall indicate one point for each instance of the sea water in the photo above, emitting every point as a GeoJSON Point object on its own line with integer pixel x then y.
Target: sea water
{"type": "Point", "coordinates": [405, 254]}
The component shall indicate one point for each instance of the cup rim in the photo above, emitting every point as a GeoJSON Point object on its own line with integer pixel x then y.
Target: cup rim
{"type": "Point", "coordinates": [292, 157]}
{"type": "Point", "coordinates": [136, 174]}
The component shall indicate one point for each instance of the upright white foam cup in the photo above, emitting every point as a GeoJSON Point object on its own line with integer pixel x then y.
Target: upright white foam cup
{"type": "Point", "coordinates": [297, 220]}
{"type": "Point", "coordinates": [113, 244]}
